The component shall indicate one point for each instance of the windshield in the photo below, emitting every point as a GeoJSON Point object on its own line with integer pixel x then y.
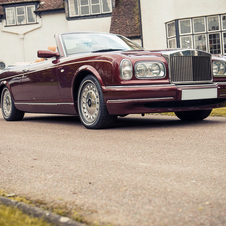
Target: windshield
{"type": "Point", "coordinates": [93, 42]}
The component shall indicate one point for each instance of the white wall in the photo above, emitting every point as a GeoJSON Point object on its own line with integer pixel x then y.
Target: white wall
{"type": "Point", "coordinates": [156, 13]}
{"type": "Point", "coordinates": [20, 43]}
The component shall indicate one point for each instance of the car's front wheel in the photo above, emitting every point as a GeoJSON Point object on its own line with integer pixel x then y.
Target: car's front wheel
{"type": "Point", "coordinates": [193, 115]}
{"type": "Point", "coordinates": [9, 111]}
{"type": "Point", "coordinates": [92, 110]}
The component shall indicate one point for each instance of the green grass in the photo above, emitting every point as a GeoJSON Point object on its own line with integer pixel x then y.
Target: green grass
{"type": "Point", "coordinates": [10, 216]}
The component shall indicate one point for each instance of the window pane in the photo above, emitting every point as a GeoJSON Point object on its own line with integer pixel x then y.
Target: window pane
{"type": "Point", "coordinates": [20, 11]}
{"type": "Point", "coordinates": [213, 23]}
{"type": "Point", "coordinates": [30, 14]}
{"type": "Point", "coordinates": [95, 9]}
{"type": "Point", "coordinates": [185, 26]}
{"type": "Point", "coordinates": [186, 42]}
{"type": "Point", "coordinates": [224, 42]}
{"type": "Point", "coordinates": [214, 42]}
{"type": "Point", "coordinates": [172, 43]}
{"type": "Point", "coordinates": [84, 2]}
{"type": "Point", "coordinates": [106, 6]}
{"type": "Point", "coordinates": [199, 24]}
{"type": "Point", "coordinates": [95, 2]}
{"type": "Point", "coordinates": [10, 16]}
{"type": "Point", "coordinates": [200, 42]}
{"type": "Point", "coordinates": [84, 10]}
{"type": "Point", "coordinates": [73, 7]}
{"type": "Point", "coordinates": [224, 22]}
{"type": "Point", "coordinates": [171, 29]}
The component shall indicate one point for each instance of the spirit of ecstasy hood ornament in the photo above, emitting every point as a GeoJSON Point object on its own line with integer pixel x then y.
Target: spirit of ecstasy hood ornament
{"type": "Point", "coordinates": [187, 42]}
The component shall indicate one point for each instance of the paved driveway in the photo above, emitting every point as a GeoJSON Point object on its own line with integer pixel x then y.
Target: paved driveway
{"type": "Point", "coordinates": [152, 170]}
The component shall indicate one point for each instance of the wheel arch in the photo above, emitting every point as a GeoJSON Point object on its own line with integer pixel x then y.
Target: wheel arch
{"type": "Point", "coordinates": [80, 74]}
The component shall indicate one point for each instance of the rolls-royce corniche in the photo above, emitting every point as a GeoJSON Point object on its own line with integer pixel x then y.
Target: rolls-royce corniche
{"type": "Point", "coordinates": [100, 76]}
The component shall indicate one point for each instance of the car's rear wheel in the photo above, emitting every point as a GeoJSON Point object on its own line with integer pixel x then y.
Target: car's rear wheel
{"type": "Point", "coordinates": [9, 111]}
{"type": "Point", "coordinates": [193, 115]}
{"type": "Point", "coordinates": [91, 105]}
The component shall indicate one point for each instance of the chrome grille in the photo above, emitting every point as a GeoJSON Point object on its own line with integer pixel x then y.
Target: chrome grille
{"type": "Point", "coordinates": [185, 69]}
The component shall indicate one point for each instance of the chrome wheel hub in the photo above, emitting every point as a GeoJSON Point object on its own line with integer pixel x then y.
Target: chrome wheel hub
{"type": "Point", "coordinates": [90, 102]}
{"type": "Point", "coordinates": [7, 103]}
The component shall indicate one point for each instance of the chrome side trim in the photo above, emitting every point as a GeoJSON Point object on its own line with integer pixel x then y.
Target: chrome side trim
{"type": "Point", "coordinates": [139, 100]}
{"type": "Point", "coordinates": [222, 95]}
{"type": "Point", "coordinates": [50, 104]}
{"type": "Point", "coordinates": [14, 76]}
{"type": "Point", "coordinates": [138, 86]}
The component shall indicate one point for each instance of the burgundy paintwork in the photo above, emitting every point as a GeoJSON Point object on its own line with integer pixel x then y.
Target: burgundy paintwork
{"type": "Point", "coordinates": [51, 86]}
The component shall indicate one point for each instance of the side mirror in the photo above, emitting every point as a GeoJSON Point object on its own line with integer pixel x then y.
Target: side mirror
{"type": "Point", "coordinates": [47, 54]}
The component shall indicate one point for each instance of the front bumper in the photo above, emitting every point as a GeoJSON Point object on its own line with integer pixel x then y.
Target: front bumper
{"type": "Point", "coordinates": [139, 99]}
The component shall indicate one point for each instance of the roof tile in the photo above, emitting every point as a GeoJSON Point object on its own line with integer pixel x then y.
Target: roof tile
{"type": "Point", "coordinates": [125, 18]}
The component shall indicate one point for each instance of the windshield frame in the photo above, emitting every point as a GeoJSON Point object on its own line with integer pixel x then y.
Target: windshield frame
{"type": "Point", "coordinates": [126, 44]}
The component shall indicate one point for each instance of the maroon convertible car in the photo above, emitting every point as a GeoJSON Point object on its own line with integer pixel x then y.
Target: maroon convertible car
{"type": "Point", "coordinates": [100, 76]}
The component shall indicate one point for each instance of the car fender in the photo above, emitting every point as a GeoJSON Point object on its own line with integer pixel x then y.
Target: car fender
{"type": "Point", "coordinates": [87, 68]}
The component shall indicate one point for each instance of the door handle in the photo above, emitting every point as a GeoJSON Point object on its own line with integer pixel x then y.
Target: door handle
{"type": "Point", "coordinates": [25, 70]}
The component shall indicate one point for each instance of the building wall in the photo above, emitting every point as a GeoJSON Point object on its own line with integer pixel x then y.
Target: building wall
{"type": "Point", "coordinates": [155, 14]}
{"type": "Point", "coordinates": [22, 42]}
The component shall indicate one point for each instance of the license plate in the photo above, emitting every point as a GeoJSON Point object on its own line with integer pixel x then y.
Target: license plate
{"type": "Point", "coordinates": [197, 94]}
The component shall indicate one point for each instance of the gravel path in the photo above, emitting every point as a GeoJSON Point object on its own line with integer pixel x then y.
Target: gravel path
{"type": "Point", "coordinates": [152, 170]}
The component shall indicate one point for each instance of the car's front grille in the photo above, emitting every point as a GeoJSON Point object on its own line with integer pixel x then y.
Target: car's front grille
{"type": "Point", "coordinates": [185, 69]}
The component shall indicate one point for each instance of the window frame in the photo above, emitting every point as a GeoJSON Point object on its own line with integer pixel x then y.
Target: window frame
{"type": "Point", "coordinates": [184, 36]}
{"type": "Point", "coordinates": [222, 27]}
{"type": "Point", "coordinates": [207, 18]}
{"type": "Point", "coordinates": [190, 27]}
{"type": "Point", "coordinates": [212, 33]}
{"type": "Point", "coordinates": [198, 34]}
{"type": "Point", "coordinates": [14, 8]}
{"type": "Point", "coordinates": [14, 13]}
{"type": "Point", "coordinates": [193, 27]}
{"type": "Point", "coordinates": [79, 15]}
{"type": "Point", "coordinates": [167, 25]}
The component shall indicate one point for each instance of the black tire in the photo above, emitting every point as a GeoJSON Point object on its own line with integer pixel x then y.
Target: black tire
{"type": "Point", "coordinates": [9, 111]}
{"type": "Point", "coordinates": [92, 110]}
{"type": "Point", "coordinates": [193, 115]}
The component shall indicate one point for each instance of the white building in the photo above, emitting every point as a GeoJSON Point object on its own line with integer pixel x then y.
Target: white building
{"type": "Point", "coordinates": [29, 25]}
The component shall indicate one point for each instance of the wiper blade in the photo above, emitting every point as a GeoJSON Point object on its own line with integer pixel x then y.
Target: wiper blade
{"type": "Point", "coordinates": [106, 50]}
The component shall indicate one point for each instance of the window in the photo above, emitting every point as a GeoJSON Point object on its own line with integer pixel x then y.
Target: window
{"type": "Point", "coordinates": [214, 43]}
{"type": "Point", "coordinates": [172, 43]}
{"type": "Point", "coordinates": [206, 33]}
{"type": "Point", "coordinates": [185, 27]}
{"type": "Point", "coordinates": [224, 22]}
{"type": "Point", "coordinates": [224, 43]}
{"type": "Point", "coordinates": [171, 32]}
{"type": "Point", "coordinates": [199, 25]}
{"type": "Point", "coordinates": [20, 15]}
{"type": "Point", "coordinates": [200, 42]}
{"type": "Point", "coordinates": [186, 42]}
{"type": "Point", "coordinates": [213, 23]}
{"type": "Point", "coordinates": [89, 7]}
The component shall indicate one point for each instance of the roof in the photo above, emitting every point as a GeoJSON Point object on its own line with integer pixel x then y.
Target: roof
{"type": "Point", "coordinates": [45, 5]}
{"type": "Point", "coordinates": [125, 18]}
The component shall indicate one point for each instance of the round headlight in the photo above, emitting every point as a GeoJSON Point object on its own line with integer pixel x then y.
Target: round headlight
{"type": "Point", "coordinates": [155, 69]}
{"type": "Point", "coordinates": [141, 70]}
{"type": "Point", "coordinates": [126, 70]}
{"type": "Point", "coordinates": [215, 69]}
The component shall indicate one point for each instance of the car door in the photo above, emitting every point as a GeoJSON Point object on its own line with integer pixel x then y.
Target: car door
{"type": "Point", "coordinates": [40, 83]}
